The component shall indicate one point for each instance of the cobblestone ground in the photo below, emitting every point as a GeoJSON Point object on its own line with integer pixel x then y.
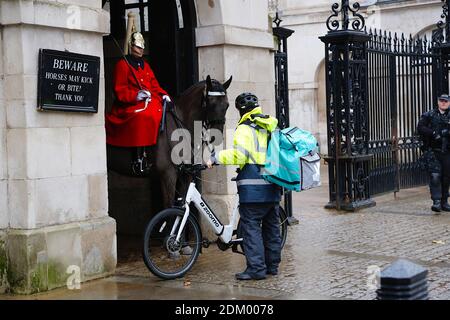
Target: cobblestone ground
{"type": "Point", "coordinates": [328, 254]}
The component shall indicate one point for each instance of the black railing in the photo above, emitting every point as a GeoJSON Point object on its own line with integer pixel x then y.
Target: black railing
{"type": "Point", "coordinates": [400, 90]}
{"type": "Point", "coordinates": [378, 85]}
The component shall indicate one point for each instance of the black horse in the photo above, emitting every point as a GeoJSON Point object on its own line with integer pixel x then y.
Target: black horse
{"type": "Point", "coordinates": [205, 102]}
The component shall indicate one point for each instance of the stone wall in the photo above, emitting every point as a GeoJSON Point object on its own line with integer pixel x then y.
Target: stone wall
{"type": "Point", "coordinates": [4, 220]}
{"type": "Point", "coordinates": [53, 165]}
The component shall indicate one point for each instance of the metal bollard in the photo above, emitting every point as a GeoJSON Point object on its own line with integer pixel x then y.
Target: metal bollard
{"type": "Point", "coordinates": [403, 280]}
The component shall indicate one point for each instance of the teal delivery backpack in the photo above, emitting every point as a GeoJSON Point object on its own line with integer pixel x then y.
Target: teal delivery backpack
{"type": "Point", "coordinates": [292, 160]}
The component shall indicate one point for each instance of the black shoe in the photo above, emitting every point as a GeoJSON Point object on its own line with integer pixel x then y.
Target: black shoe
{"type": "Point", "coordinates": [436, 207]}
{"type": "Point", "coordinates": [272, 272]}
{"type": "Point", "coordinates": [245, 276]}
{"type": "Point", "coordinates": [445, 206]}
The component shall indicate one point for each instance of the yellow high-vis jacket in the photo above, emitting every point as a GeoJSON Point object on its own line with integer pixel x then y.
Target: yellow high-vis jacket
{"type": "Point", "coordinates": [250, 140]}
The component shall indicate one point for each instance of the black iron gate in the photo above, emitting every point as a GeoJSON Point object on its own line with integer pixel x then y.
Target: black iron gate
{"type": "Point", "coordinates": [378, 85]}
{"type": "Point", "coordinates": [400, 90]}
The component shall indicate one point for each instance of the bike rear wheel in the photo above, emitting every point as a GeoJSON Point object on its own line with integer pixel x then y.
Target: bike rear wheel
{"type": "Point", "coordinates": [283, 226]}
{"type": "Point", "coordinates": [163, 255]}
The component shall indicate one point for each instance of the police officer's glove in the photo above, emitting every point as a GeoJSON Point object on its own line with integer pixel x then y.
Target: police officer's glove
{"type": "Point", "coordinates": [436, 136]}
{"type": "Point", "coordinates": [445, 133]}
{"type": "Point", "coordinates": [143, 95]}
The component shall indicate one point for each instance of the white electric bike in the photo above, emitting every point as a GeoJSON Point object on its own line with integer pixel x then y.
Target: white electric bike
{"type": "Point", "coordinates": [173, 238]}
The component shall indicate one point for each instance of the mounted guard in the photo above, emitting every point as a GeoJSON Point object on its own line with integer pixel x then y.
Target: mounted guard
{"type": "Point", "coordinates": [136, 114]}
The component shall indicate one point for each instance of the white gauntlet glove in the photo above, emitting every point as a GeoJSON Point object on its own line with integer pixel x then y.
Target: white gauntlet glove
{"type": "Point", "coordinates": [167, 98]}
{"type": "Point", "coordinates": [143, 95]}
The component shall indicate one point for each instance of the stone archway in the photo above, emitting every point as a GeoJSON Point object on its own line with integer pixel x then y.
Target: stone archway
{"type": "Point", "coordinates": [426, 31]}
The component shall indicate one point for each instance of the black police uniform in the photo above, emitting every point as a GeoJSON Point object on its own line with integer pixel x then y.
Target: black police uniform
{"type": "Point", "coordinates": [434, 129]}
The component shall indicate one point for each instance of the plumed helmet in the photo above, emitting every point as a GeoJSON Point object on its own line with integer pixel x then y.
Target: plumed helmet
{"type": "Point", "coordinates": [247, 101]}
{"type": "Point", "coordinates": [137, 39]}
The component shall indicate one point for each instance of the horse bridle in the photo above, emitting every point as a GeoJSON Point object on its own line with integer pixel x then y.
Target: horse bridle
{"type": "Point", "coordinates": [207, 123]}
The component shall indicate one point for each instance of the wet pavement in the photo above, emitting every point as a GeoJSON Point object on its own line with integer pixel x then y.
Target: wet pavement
{"type": "Point", "coordinates": [327, 256]}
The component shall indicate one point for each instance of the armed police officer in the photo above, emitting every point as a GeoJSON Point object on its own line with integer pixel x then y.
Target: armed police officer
{"type": "Point", "coordinates": [258, 199]}
{"type": "Point", "coordinates": [434, 128]}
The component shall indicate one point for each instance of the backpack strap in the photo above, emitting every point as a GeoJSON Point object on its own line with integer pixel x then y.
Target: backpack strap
{"type": "Point", "coordinates": [259, 115]}
{"type": "Point", "coordinates": [250, 122]}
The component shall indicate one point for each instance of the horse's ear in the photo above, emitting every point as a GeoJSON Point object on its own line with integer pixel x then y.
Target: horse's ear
{"type": "Point", "coordinates": [227, 84]}
{"type": "Point", "coordinates": [209, 83]}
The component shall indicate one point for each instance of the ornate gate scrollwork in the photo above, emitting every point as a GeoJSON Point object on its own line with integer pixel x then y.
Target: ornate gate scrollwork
{"type": "Point", "coordinates": [347, 117]}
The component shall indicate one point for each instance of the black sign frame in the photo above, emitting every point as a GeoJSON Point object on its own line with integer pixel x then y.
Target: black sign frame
{"type": "Point", "coordinates": [48, 88]}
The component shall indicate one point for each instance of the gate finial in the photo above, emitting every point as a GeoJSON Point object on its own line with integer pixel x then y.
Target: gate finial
{"type": "Point", "coordinates": [358, 23]}
{"type": "Point", "coordinates": [442, 33]}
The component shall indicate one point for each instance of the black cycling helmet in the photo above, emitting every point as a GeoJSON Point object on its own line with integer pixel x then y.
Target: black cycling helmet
{"type": "Point", "coordinates": [246, 102]}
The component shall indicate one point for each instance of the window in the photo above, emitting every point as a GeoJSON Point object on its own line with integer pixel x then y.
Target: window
{"type": "Point", "coordinates": [119, 10]}
{"type": "Point", "coordinates": [140, 9]}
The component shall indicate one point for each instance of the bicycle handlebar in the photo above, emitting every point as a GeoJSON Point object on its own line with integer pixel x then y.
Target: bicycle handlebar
{"type": "Point", "coordinates": [193, 168]}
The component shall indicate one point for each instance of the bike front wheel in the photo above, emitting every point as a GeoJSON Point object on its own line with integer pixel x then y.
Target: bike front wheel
{"type": "Point", "coordinates": [163, 255]}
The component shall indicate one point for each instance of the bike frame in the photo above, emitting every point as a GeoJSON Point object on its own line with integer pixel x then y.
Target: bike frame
{"type": "Point", "coordinates": [224, 232]}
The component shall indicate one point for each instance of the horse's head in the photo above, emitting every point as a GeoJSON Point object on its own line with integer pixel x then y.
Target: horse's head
{"type": "Point", "coordinates": [215, 103]}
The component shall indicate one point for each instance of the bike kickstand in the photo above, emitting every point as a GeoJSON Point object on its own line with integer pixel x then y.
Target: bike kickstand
{"type": "Point", "coordinates": [234, 248]}
{"type": "Point", "coordinates": [206, 243]}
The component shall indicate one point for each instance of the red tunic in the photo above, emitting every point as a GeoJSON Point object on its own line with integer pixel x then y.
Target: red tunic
{"type": "Point", "coordinates": [124, 127]}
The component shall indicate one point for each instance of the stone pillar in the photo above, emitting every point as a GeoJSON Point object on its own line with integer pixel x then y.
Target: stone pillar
{"type": "Point", "coordinates": [4, 218]}
{"type": "Point", "coordinates": [53, 182]}
{"type": "Point", "coordinates": [234, 38]}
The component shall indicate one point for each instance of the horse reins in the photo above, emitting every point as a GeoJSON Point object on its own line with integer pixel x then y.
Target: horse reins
{"type": "Point", "coordinates": [204, 105]}
{"type": "Point", "coordinates": [180, 125]}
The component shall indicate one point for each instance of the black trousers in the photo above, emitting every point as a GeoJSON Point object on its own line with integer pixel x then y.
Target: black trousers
{"type": "Point", "coordinates": [260, 225]}
{"type": "Point", "coordinates": [440, 181]}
